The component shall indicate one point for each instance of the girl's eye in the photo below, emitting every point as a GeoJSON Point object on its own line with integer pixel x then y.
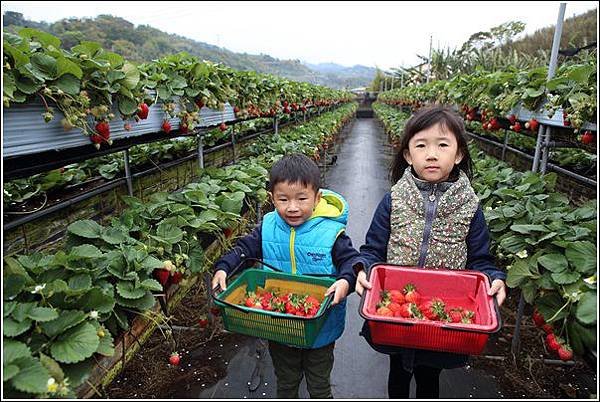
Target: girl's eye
{"type": "Point", "coordinates": [420, 146]}
{"type": "Point", "coordinates": [443, 145]}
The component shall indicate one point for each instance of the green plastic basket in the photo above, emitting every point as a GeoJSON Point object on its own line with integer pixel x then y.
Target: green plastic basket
{"type": "Point", "coordinates": [283, 328]}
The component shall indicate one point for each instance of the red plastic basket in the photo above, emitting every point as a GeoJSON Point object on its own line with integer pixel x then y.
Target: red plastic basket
{"type": "Point", "coordinates": [463, 288]}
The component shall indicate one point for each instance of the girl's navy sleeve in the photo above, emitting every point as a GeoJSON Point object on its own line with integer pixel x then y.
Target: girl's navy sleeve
{"type": "Point", "coordinates": [250, 246]}
{"type": "Point", "coordinates": [345, 257]}
{"type": "Point", "coordinates": [478, 248]}
{"type": "Point", "coordinates": [375, 247]}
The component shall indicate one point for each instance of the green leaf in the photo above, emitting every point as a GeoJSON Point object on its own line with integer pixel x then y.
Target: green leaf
{"type": "Point", "coordinates": [12, 328]}
{"type": "Point", "coordinates": [86, 228]}
{"type": "Point", "coordinates": [8, 308]}
{"type": "Point", "coordinates": [79, 372]}
{"type": "Point", "coordinates": [13, 350]}
{"type": "Point", "coordinates": [169, 233]}
{"type": "Point", "coordinates": [581, 73]}
{"type": "Point", "coordinates": [9, 372]}
{"type": "Point", "coordinates": [12, 286]}
{"type": "Point", "coordinates": [32, 376]}
{"type": "Point", "coordinates": [151, 263]}
{"type": "Point", "coordinates": [87, 48]}
{"type": "Point", "coordinates": [53, 367]}
{"type": "Point", "coordinates": [44, 66]}
{"type": "Point", "coordinates": [96, 299]}
{"type": "Point", "coordinates": [128, 290]}
{"type": "Point", "coordinates": [27, 85]}
{"type": "Point", "coordinates": [80, 282]}
{"type": "Point", "coordinates": [581, 337]}
{"type": "Point", "coordinates": [76, 344]}
{"type": "Point", "coordinates": [42, 314]}
{"type": "Point", "coordinates": [196, 261]}
{"type": "Point", "coordinates": [582, 256]}
{"type": "Point", "coordinates": [127, 106]}
{"type": "Point", "coordinates": [13, 266]}
{"type": "Point", "coordinates": [527, 229]}
{"type": "Point", "coordinates": [132, 76]}
{"type": "Point", "coordinates": [152, 285]}
{"type": "Point", "coordinates": [86, 251]}
{"type": "Point", "coordinates": [566, 277]}
{"type": "Point", "coordinates": [69, 84]}
{"type": "Point", "coordinates": [550, 304]}
{"type": "Point", "coordinates": [143, 303]}
{"type": "Point", "coordinates": [44, 38]}
{"type": "Point", "coordinates": [114, 236]}
{"type": "Point", "coordinates": [66, 66]}
{"type": "Point", "coordinates": [518, 273]}
{"type": "Point", "coordinates": [553, 262]}
{"type": "Point", "coordinates": [67, 319]}
{"type": "Point", "coordinates": [587, 307]}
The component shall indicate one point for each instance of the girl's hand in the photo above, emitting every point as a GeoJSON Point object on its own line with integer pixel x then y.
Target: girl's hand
{"type": "Point", "coordinates": [340, 287]}
{"type": "Point", "coordinates": [219, 279]}
{"type": "Point", "coordinates": [362, 283]}
{"type": "Point", "coordinates": [498, 288]}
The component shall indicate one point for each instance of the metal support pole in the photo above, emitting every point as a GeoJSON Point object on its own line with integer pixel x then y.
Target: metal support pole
{"type": "Point", "coordinates": [402, 80]}
{"type": "Point", "coordinates": [392, 83]}
{"type": "Point", "coordinates": [505, 144]}
{"type": "Point", "coordinates": [276, 125]}
{"type": "Point", "coordinates": [233, 143]}
{"type": "Point", "coordinates": [545, 150]}
{"type": "Point", "coordinates": [200, 152]}
{"type": "Point", "coordinates": [429, 58]}
{"type": "Point", "coordinates": [128, 173]}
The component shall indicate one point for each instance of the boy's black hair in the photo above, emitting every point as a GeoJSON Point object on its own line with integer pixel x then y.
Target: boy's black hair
{"type": "Point", "coordinates": [422, 120]}
{"type": "Point", "coordinates": [295, 168]}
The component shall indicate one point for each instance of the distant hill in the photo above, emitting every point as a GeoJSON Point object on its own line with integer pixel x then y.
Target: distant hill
{"type": "Point", "coordinates": [144, 43]}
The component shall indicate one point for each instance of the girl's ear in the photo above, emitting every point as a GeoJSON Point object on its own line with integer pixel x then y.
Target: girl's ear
{"type": "Point", "coordinates": [407, 157]}
{"type": "Point", "coordinates": [459, 157]}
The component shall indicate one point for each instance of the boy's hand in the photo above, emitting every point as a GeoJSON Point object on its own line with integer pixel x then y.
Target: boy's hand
{"type": "Point", "coordinates": [219, 279]}
{"type": "Point", "coordinates": [362, 283]}
{"type": "Point", "coordinates": [499, 289]}
{"type": "Point", "coordinates": [340, 287]}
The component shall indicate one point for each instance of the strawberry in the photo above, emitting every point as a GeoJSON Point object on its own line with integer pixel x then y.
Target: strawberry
{"type": "Point", "coordinates": [552, 341]}
{"type": "Point", "coordinates": [143, 111]}
{"type": "Point", "coordinates": [174, 359]}
{"type": "Point", "coordinates": [176, 277]}
{"type": "Point", "coordinates": [538, 319]}
{"type": "Point", "coordinates": [404, 311]}
{"type": "Point", "coordinates": [227, 232]}
{"type": "Point", "coordinates": [384, 311]}
{"type": "Point", "coordinates": [587, 137]}
{"type": "Point", "coordinates": [166, 126]}
{"type": "Point", "coordinates": [161, 275]}
{"type": "Point", "coordinates": [434, 310]}
{"type": "Point", "coordinates": [565, 352]}
{"type": "Point", "coordinates": [97, 140]}
{"type": "Point", "coordinates": [384, 299]}
{"type": "Point", "coordinates": [183, 128]}
{"type": "Point", "coordinates": [236, 110]}
{"type": "Point", "coordinates": [512, 119]}
{"type": "Point", "coordinates": [103, 129]}
{"type": "Point", "coordinates": [566, 121]}
{"type": "Point", "coordinates": [203, 321]}
{"type": "Point", "coordinates": [199, 103]}
{"type": "Point", "coordinates": [223, 127]}
{"type": "Point", "coordinates": [396, 296]}
{"type": "Point", "coordinates": [516, 127]}
{"type": "Point", "coordinates": [414, 311]}
{"type": "Point", "coordinates": [455, 314]}
{"type": "Point", "coordinates": [548, 328]}
{"type": "Point", "coordinates": [215, 311]}
{"type": "Point", "coordinates": [532, 124]}
{"type": "Point", "coordinates": [410, 294]}
{"type": "Point", "coordinates": [127, 127]}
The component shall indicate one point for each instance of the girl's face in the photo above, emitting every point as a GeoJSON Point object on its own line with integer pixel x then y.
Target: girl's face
{"type": "Point", "coordinates": [432, 153]}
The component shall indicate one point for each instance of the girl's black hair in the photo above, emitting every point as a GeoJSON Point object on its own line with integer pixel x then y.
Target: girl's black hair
{"type": "Point", "coordinates": [422, 120]}
{"type": "Point", "coordinates": [295, 168]}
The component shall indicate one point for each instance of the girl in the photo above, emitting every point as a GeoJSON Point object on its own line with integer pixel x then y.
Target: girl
{"type": "Point", "coordinates": [431, 218]}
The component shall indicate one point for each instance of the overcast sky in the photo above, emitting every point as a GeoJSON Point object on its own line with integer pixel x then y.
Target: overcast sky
{"type": "Point", "coordinates": [383, 34]}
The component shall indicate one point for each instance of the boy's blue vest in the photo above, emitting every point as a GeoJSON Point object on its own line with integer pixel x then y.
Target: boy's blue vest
{"type": "Point", "coordinates": [306, 249]}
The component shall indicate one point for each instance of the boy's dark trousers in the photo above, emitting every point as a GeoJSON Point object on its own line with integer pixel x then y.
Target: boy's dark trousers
{"type": "Point", "coordinates": [291, 364]}
{"type": "Point", "coordinates": [427, 379]}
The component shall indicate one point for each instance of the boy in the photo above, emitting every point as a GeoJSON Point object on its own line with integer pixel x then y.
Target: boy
{"type": "Point", "coordinates": [304, 235]}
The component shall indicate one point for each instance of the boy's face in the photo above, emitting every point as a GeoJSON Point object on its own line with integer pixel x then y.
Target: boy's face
{"type": "Point", "coordinates": [295, 202]}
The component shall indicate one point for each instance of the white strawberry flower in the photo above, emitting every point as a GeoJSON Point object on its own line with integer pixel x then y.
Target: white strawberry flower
{"type": "Point", "coordinates": [51, 386]}
{"type": "Point", "coordinates": [591, 280]}
{"type": "Point", "coordinates": [522, 254]}
{"type": "Point", "coordinates": [94, 314]}
{"type": "Point", "coordinates": [38, 288]}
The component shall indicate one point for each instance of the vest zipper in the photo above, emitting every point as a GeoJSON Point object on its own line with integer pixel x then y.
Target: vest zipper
{"type": "Point", "coordinates": [429, 215]}
{"type": "Point", "coordinates": [292, 256]}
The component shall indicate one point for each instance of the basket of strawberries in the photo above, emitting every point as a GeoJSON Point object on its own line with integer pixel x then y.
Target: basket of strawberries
{"type": "Point", "coordinates": [434, 309]}
{"type": "Point", "coordinates": [273, 305]}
